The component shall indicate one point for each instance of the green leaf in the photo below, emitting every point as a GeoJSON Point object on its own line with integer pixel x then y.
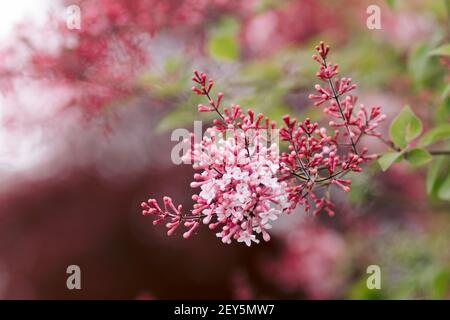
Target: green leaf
{"type": "Point", "coordinates": [446, 92]}
{"type": "Point", "coordinates": [444, 189]}
{"type": "Point", "coordinates": [390, 3]}
{"type": "Point", "coordinates": [418, 157]}
{"type": "Point", "coordinates": [418, 63]}
{"type": "Point", "coordinates": [405, 127]}
{"type": "Point", "coordinates": [222, 43]}
{"type": "Point", "coordinates": [436, 134]}
{"type": "Point", "coordinates": [437, 174]}
{"type": "Point", "coordinates": [173, 64]}
{"type": "Point", "coordinates": [181, 115]}
{"type": "Point", "coordinates": [223, 47]}
{"type": "Point", "coordinates": [440, 284]}
{"type": "Point", "coordinates": [388, 158]}
{"type": "Point", "coordinates": [432, 175]}
{"type": "Point", "coordinates": [442, 113]}
{"type": "Point", "coordinates": [443, 50]}
{"type": "Point", "coordinates": [447, 6]}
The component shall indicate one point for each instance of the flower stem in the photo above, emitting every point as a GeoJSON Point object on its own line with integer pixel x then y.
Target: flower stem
{"type": "Point", "coordinates": [440, 152]}
{"type": "Point", "coordinates": [336, 98]}
{"type": "Point", "coordinates": [214, 105]}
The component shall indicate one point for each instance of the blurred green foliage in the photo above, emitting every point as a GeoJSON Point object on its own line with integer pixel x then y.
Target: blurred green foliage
{"type": "Point", "coordinates": [405, 127]}
{"type": "Point", "coordinates": [222, 41]}
{"type": "Point", "coordinates": [414, 264]}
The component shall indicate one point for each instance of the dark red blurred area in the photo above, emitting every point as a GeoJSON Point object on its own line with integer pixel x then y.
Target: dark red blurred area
{"type": "Point", "coordinates": [87, 221]}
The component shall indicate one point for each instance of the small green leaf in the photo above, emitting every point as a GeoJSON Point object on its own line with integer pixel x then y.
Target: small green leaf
{"type": "Point", "coordinates": [388, 158]}
{"type": "Point", "coordinates": [390, 3]}
{"type": "Point", "coordinates": [223, 47]}
{"type": "Point", "coordinates": [418, 157]}
{"type": "Point", "coordinates": [222, 43]}
{"type": "Point", "coordinates": [444, 189]}
{"type": "Point", "coordinates": [182, 114]}
{"type": "Point", "coordinates": [446, 92]}
{"type": "Point", "coordinates": [173, 64]}
{"type": "Point", "coordinates": [436, 134]}
{"type": "Point", "coordinates": [418, 63]}
{"type": "Point", "coordinates": [442, 113]}
{"type": "Point", "coordinates": [447, 6]}
{"type": "Point", "coordinates": [443, 50]}
{"type": "Point", "coordinates": [405, 127]}
{"type": "Point", "coordinates": [437, 174]}
{"type": "Point", "coordinates": [440, 284]}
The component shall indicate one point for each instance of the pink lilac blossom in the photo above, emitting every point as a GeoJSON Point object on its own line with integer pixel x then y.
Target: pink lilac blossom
{"type": "Point", "coordinates": [246, 184]}
{"type": "Point", "coordinates": [240, 190]}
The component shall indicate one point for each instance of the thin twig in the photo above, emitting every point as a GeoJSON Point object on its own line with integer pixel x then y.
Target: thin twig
{"type": "Point", "coordinates": [336, 98]}
{"type": "Point", "coordinates": [440, 152]}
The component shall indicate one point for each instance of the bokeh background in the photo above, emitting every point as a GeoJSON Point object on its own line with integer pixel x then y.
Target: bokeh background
{"type": "Point", "coordinates": [85, 136]}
